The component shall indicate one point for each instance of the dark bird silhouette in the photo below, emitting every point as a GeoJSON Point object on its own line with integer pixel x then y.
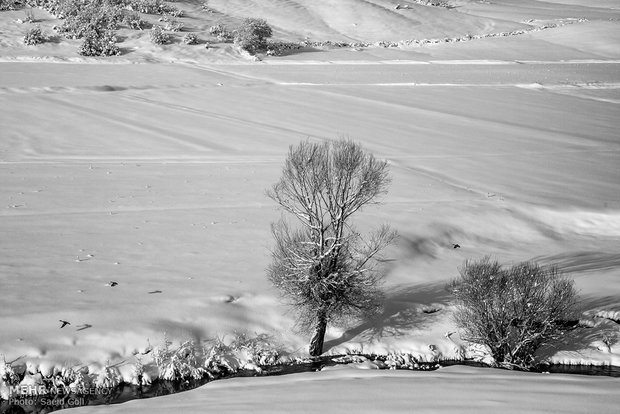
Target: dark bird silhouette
{"type": "Point", "coordinates": [64, 323]}
{"type": "Point", "coordinates": [85, 326]}
{"type": "Point", "coordinates": [155, 291]}
{"type": "Point", "coordinates": [456, 246]}
{"type": "Point", "coordinates": [112, 284]}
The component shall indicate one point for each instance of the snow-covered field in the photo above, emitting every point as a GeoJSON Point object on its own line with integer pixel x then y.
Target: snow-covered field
{"type": "Point", "coordinates": [449, 390]}
{"type": "Point", "coordinates": [149, 170]}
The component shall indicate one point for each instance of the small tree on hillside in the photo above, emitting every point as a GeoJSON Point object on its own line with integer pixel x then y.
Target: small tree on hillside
{"type": "Point", "coordinates": [512, 311]}
{"type": "Point", "coordinates": [99, 44]}
{"type": "Point", "coordinates": [11, 4]}
{"type": "Point", "coordinates": [252, 35]}
{"type": "Point", "coordinates": [324, 267]}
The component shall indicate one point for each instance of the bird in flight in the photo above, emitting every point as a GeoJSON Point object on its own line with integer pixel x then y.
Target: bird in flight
{"type": "Point", "coordinates": [64, 323]}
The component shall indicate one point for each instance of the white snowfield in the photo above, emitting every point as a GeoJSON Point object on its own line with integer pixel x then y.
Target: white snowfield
{"type": "Point", "coordinates": [449, 390]}
{"type": "Point", "coordinates": [149, 170]}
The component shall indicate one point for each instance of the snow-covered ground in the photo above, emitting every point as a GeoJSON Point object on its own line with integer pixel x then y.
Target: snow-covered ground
{"type": "Point", "coordinates": [149, 170]}
{"type": "Point", "coordinates": [449, 390]}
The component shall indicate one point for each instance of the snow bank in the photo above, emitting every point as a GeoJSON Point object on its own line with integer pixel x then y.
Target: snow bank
{"type": "Point", "coordinates": [448, 390]}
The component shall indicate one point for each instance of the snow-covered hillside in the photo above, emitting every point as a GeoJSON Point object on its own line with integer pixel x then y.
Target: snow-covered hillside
{"type": "Point", "coordinates": [149, 170]}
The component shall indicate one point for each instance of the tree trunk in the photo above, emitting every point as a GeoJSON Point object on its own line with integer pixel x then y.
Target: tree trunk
{"type": "Point", "coordinates": [316, 343]}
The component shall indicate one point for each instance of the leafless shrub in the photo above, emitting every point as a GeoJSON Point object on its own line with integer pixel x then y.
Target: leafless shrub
{"type": "Point", "coordinates": [512, 311]}
{"type": "Point", "coordinates": [609, 339]}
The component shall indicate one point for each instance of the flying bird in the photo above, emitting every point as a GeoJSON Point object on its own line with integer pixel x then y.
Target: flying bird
{"type": "Point", "coordinates": [64, 323]}
{"type": "Point", "coordinates": [112, 283]}
{"type": "Point", "coordinates": [455, 246]}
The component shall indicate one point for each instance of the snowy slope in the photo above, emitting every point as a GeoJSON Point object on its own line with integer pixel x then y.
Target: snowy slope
{"type": "Point", "coordinates": [149, 170]}
{"type": "Point", "coordinates": [449, 390]}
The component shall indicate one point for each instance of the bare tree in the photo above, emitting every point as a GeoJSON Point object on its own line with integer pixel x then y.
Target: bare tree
{"type": "Point", "coordinates": [326, 269]}
{"type": "Point", "coordinates": [513, 311]}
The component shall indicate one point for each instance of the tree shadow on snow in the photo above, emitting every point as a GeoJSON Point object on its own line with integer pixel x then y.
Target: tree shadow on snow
{"type": "Point", "coordinates": [581, 340]}
{"type": "Point", "coordinates": [591, 335]}
{"type": "Point", "coordinates": [405, 308]}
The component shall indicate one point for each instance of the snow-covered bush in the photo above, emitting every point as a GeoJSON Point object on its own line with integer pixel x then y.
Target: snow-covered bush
{"type": "Point", "coordinates": [190, 360]}
{"type": "Point", "coordinates": [252, 35]}
{"type": "Point", "coordinates": [217, 359]}
{"type": "Point", "coordinates": [33, 384]}
{"type": "Point", "coordinates": [158, 36]}
{"type": "Point", "coordinates": [44, 379]}
{"type": "Point", "coordinates": [512, 311]}
{"type": "Point", "coordinates": [256, 350]}
{"type": "Point", "coordinates": [221, 359]}
{"type": "Point", "coordinates": [8, 375]}
{"type": "Point", "coordinates": [134, 21]}
{"type": "Point", "coordinates": [34, 36]}
{"type": "Point", "coordinates": [205, 7]}
{"type": "Point", "coordinates": [162, 355]}
{"type": "Point", "coordinates": [81, 17]}
{"type": "Point", "coordinates": [62, 378]}
{"type": "Point", "coordinates": [243, 352]}
{"type": "Point", "coordinates": [137, 373]}
{"type": "Point", "coordinates": [96, 44]}
{"type": "Point", "coordinates": [181, 363]}
{"type": "Point", "coordinates": [154, 7]}
{"type": "Point", "coordinates": [221, 33]}
{"type": "Point", "coordinates": [171, 25]}
{"type": "Point", "coordinates": [11, 4]}
{"type": "Point", "coordinates": [51, 6]}
{"type": "Point", "coordinates": [80, 381]}
{"type": "Point", "coordinates": [281, 48]}
{"type": "Point", "coordinates": [190, 39]}
{"type": "Point", "coordinates": [401, 361]}
{"type": "Point", "coordinates": [109, 377]}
